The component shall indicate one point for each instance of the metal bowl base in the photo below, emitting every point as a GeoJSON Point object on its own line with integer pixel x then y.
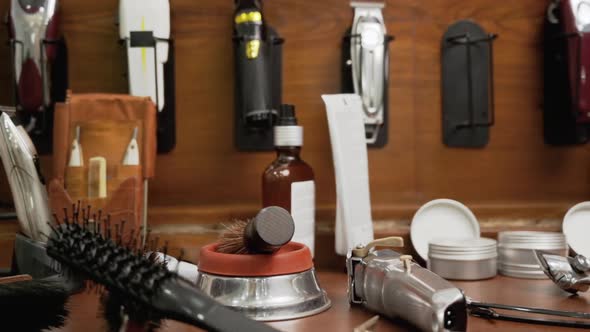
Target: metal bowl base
{"type": "Point", "coordinates": [271, 298]}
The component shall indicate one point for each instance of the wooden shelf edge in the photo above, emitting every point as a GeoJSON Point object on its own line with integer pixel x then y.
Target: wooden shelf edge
{"type": "Point", "coordinates": [498, 211]}
{"type": "Point", "coordinates": [381, 227]}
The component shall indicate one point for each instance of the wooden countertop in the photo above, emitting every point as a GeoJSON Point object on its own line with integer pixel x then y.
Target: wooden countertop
{"type": "Point", "coordinates": [341, 317]}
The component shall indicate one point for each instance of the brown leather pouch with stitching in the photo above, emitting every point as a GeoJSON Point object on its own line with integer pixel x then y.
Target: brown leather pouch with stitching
{"type": "Point", "coordinates": [106, 123]}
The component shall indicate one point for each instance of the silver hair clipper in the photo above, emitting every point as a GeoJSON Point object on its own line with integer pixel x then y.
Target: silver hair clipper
{"type": "Point", "coordinates": [569, 273]}
{"type": "Point", "coordinates": [368, 60]}
{"type": "Point", "coordinates": [393, 285]}
{"type": "Point", "coordinates": [21, 165]}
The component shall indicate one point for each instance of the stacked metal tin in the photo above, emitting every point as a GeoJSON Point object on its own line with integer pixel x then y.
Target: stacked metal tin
{"type": "Point", "coordinates": [463, 259]}
{"type": "Point", "coordinates": [516, 257]}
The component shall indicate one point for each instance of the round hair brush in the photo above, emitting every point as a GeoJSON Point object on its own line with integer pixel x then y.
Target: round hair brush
{"type": "Point", "coordinates": [137, 278]}
{"type": "Point", "coordinates": [272, 228]}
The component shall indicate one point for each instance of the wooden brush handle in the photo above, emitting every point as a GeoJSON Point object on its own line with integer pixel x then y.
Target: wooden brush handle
{"type": "Point", "coordinates": [272, 228]}
{"type": "Point", "coordinates": [16, 278]}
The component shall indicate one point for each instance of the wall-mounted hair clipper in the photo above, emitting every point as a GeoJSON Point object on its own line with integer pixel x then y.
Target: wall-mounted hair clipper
{"type": "Point", "coordinates": [566, 106]}
{"type": "Point", "coordinates": [571, 274]}
{"type": "Point", "coordinates": [258, 85]}
{"type": "Point", "coordinates": [21, 165]}
{"type": "Point", "coordinates": [575, 17]}
{"type": "Point", "coordinates": [146, 64]}
{"type": "Point", "coordinates": [39, 65]}
{"type": "Point", "coordinates": [33, 29]}
{"type": "Point", "coordinates": [144, 30]}
{"type": "Point", "coordinates": [366, 67]}
{"type": "Point", "coordinates": [393, 285]}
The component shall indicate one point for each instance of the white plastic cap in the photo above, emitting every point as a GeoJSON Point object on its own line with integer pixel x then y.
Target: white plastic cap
{"type": "Point", "coordinates": [288, 135]}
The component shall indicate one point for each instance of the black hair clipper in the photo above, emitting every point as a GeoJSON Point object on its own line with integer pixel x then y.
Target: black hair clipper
{"type": "Point", "coordinates": [393, 285]}
{"type": "Point", "coordinates": [257, 50]}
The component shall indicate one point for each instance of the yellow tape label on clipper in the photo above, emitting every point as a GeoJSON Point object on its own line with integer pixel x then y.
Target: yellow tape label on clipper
{"type": "Point", "coordinates": [248, 17]}
{"type": "Point", "coordinates": [252, 49]}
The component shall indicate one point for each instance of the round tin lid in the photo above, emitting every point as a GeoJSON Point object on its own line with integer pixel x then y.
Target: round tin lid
{"type": "Point", "coordinates": [529, 235]}
{"type": "Point", "coordinates": [576, 227]}
{"type": "Point", "coordinates": [475, 257]}
{"type": "Point", "coordinates": [462, 249]}
{"type": "Point", "coordinates": [531, 240]}
{"type": "Point", "coordinates": [463, 244]}
{"type": "Point", "coordinates": [441, 218]}
{"type": "Point", "coordinates": [534, 246]}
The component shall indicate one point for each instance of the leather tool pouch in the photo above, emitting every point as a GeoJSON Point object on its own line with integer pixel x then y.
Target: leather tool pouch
{"type": "Point", "coordinates": [106, 123]}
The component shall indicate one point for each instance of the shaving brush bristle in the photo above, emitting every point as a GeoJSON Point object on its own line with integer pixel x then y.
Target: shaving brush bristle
{"type": "Point", "coordinates": [33, 305]}
{"type": "Point", "coordinates": [231, 240]}
{"type": "Point", "coordinates": [272, 228]}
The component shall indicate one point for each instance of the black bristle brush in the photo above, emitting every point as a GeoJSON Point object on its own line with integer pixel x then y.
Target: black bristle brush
{"type": "Point", "coordinates": [116, 307]}
{"type": "Point", "coordinates": [116, 310]}
{"type": "Point", "coordinates": [33, 305]}
{"type": "Point", "coordinates": [272, 228]}
{"type": "Point", "coordinates": [130, 274]}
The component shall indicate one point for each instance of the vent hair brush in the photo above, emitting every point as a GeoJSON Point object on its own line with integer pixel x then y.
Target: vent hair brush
{"type": "Point", "coordinates": [129, 273]}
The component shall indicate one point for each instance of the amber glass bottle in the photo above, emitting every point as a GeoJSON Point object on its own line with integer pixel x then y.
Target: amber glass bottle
{"type": "Point", "coordinates": [288, 181]}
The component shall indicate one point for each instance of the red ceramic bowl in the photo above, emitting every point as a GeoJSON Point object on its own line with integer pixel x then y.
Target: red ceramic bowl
{"type": "Point", "coordinates": [291, 258]}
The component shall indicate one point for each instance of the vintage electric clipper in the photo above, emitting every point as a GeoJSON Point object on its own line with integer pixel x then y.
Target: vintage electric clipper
{"type": "Point", "coordinates": [571, 274]}
{"type": "Point", "coordinates": [366, 67]}
{"type": "Point", "coordinates": [393, 285]}
{"type": "Point", "coordinates": [39, 63]}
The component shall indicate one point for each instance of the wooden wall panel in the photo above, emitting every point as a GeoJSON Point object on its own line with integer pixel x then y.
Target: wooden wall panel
{"type": "Point", "coordinates": [205, 180]}
{"type": "Point", "coordinates": [516, 166]}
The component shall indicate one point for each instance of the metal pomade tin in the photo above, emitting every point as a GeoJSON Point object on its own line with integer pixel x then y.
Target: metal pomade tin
{"type": "Point", "coordinates": [516, 257]}
{"type": "Point", "coordinates": [463, 259]}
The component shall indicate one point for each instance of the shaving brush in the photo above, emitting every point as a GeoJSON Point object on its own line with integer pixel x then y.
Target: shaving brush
{"type": "Point", "coordinates": [266, 233]}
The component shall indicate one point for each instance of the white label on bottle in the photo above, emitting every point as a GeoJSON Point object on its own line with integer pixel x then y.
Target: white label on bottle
{"type": "Point", "coordinates": [303, 212]}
